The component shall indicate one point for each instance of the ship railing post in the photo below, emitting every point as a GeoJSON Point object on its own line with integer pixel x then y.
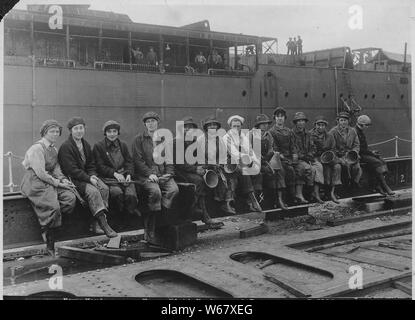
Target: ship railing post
{"type": "Point", "coordinates": [11, 184]}
{"type": "Point", "coordinates": [396, 147]}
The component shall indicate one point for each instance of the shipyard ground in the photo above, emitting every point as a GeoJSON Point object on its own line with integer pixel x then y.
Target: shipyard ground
{"type": "Point", "coordinates": [287, 258]}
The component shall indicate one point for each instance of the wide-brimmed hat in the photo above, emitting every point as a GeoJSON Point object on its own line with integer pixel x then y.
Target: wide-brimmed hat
{"type": "Point", "coordinates": [75, 121]}
{"type": "Point", "coordinates": [260, 119]}
{"type": "Point", "coordinates": [151, 115]}
{"type": "Point", "coordinates": [209, 120]}
{"type": "Point", "coordinates": [343, 114]}
{"type": "Point", "coordinates": [235, 117]}
{"type": "Point", "coordinates": [111, 124]}
{"type": "Point", "coordinates": [189, 120]}
{"type": "Point", "coordinates": [299, 116]}
{"type": "Point", "coordinates": [320, 119]}
{"type": "Point", "coordinates": [280, 110]}
{"type": "Point", "coordinates": [49, 124]}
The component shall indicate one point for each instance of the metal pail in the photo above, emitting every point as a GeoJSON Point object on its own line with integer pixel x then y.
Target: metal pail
{"type": "Point", "coordinates": [230, 167]}
{"type": "Point", "coordinates": [211, 178]}
{"type": "Point", "coordinates": [352, 157]}
{"type": "Point", "coordinates": [328, 157]}
{"type": "Point", "coordinates": [275, 162]}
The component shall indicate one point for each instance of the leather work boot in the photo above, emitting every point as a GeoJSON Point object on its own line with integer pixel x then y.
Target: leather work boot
{"type": "Point", "coordinates": [102, 221]}
{"type": "Point", "coordinates": [226, 207]}
{"type": "Point", "coordinates": [49, 237]}
{"type": "Point", "coordinates": [95, 228]}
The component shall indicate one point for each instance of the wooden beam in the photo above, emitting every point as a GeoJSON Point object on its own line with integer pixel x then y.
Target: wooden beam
{"type": "Point", "coordinates": [90, 255]}
{"type": "Point", "coordinates": [187, 51]}
{"type": "Point", "coordinates": [68, 43]}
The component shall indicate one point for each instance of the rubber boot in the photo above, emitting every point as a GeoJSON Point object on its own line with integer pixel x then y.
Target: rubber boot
{"type": "Point", "coordinates": [280, 201]}
{"type": "Point", "coordinates": [95, 228]}
{"type": "Point", "coordinates": [385, 185]}
{"type": "Point", "coordinates": [333, 196]}
{"type": "Point", "coordinates": [299, 198]}
{"type": "Point", "coordinates": [150, 227]}
{"type": "Point", "coordinates": [253, 203]}
{"type": "Point", "coordinates": [102, 221]}
{"type": "Point", "coordinates": [316, 193]}
{"type": "Point", "coordinates": [48, 236]}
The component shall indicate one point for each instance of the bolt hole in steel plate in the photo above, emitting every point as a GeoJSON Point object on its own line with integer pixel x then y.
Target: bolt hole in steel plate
{"type": "Point", "coordinates": [171, 283]}
{"type": "Point", "coordinates": [51, 295]}
{"type": "Point", "coordinates": [299, 273]}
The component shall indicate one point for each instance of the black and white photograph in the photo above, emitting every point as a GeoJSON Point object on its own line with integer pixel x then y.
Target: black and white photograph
{"type": "Point", "coordinates": [209, 154]}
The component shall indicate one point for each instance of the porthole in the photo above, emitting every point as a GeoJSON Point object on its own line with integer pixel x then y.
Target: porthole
{"type": "Point", "coordinates": [324, 95]}
{"type": "Point", "coordinates": [341, 95]}
{"type": "Point", "coordinates": [402, 96]}
{"type": "Point", "coordinates": [388, 96]}
{"type": "Point", "coordinates": [305, 95]}
{"type": "Point", "coordinates": [266, 94]}
{"type": "Point", "coordinates": [243, 93]}
{"type": "Point", "coordinates": [286, 94]}
{"type": "Point", "coordinates": [365, 96]}
{"type": "Point", "coordinates": [373, 96]}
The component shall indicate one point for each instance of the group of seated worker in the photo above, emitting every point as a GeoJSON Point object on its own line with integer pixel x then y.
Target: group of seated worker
{"type": "Point", "coordinates": [226, 163]}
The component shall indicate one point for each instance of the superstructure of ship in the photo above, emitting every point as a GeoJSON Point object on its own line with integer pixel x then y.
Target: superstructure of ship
{"type": "Point", "coordinates": [86, 68]}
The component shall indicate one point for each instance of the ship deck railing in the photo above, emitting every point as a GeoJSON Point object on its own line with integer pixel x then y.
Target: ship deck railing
{"type": "Point", "coordinates": [12, 186]}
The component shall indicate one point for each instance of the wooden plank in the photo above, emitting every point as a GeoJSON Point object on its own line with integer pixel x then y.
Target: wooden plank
{"type": "Point", "coordinates": [362, 217]}
{"type": "Point", "coordinates": [403, 287]}
{"type": "Point", "coordinates": [253, 231]}
{"type": "Point", "coordinates": [277, 214]}
{"type": "Point", "coordinates": [360, 256]}
{"type": "Point", "coordinates": [287, 284]}
{"type": "Point", "coordinates": [114, 243]}
{"type": "Point", "coordinates": [402, 253]}
{"type": "Point", "coordinates": [343, 290]}
{"type": "Point", "coordinates": [90, 255]}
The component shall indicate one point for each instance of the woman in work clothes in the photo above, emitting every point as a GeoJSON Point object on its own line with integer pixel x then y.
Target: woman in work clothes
{"type": "Point", "coordinates": [45, 185]}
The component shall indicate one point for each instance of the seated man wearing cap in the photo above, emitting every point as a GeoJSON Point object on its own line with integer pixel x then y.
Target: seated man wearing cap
{"type": "Point", "coordinates": [346, 140]}
{"type": "Point", "coordinates": [305, 171]}
{"type": "Point", "coordinates": [115, 167]}
{"type": "Point", "coordinates": [155, 179]}
{"type": "Point", "coordinates": [376, 164]}
{"type": "Point", "coordinates": [77, 162]}
{"type": "Point", "coordinates": [284, 144]}
{"type": "Point", "coordinates": [323, 141]}
{"type": "Point", "coordinates": [213, 160]}
{"type": "Point", "coordinates": [237, 146]}
{"type": "Point", "coordinates": [269, 177]}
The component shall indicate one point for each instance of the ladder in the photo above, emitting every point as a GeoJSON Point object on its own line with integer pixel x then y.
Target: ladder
{"type": "Point", "coordinates": [349, 104]}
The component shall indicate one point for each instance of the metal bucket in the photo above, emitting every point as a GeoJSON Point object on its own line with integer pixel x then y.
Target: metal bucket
{"type": "Point", "coordinates": [275, 162]}
{"type": "Point", "coordinates": [211, 178]}
{"type": "Point", "coordinates": [245, 159]}
{"type": "Point", "coordinates": [328, 157]}
{"type": "Point", "coordinates": [352, 157]}
{"type": "Point", "coordinates": [230, 167]}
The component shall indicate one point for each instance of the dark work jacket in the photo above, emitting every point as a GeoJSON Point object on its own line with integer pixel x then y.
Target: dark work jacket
{"type": "Point", "coordinates": [347, 143]}
{"type": "Point", "coordinates": [322, 141]}
{"type": "Point", "coordinates": [184, 167]}
{"type": "Point", "coordinates": [304, 144]}
{"type": "Point", "coordinates": [72, 164]}
{"type": "Point", "coordinates": [364, 148]}
{"type": "Point", "coordinates": [283, 141]}
{"type": "Point", "coordinates": [105, 165]}
{"type": "Point", "coordinates": [144, 165]}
